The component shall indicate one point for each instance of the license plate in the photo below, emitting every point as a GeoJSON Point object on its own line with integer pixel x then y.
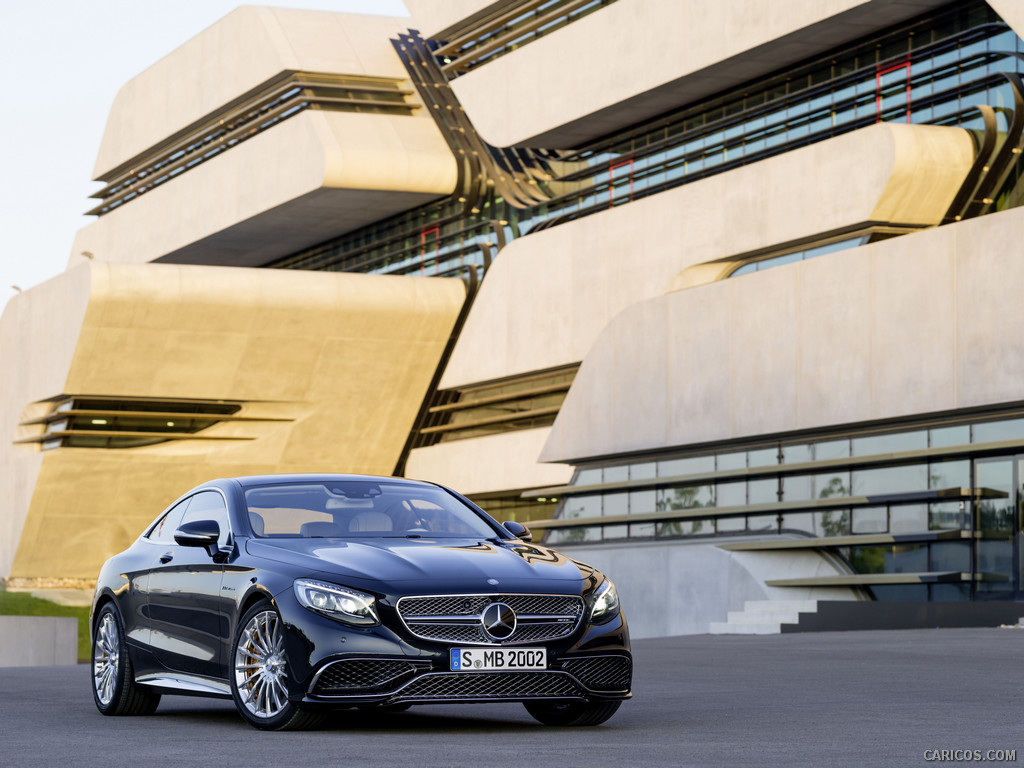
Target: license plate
{"type": "Point", "coordinates": [484, 659]}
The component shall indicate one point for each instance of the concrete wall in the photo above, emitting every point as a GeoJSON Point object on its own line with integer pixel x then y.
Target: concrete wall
{"type": "Point", "coordinates": [681, 587]}
{"type": "Point", "coordinates": [431, 17]}
{"type": "Point", "coordinates": [636, 59]}
{"type": "Point", "coordinates": [231, 57]}
{"type": "Point", "coordinates": [498, 462]}
{"type": "Point", "coordinates": [331, 368]}
{"type": "Point", "coordinates": [924, 323]}
{"type": "Point", "coordinates": [313, 176]}
{"type": "Point", "coordinates": [37, 641]}
{"type": "Point", "coordinates": [549, 295]}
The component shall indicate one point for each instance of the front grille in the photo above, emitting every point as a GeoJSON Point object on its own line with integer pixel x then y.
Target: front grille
{"type": "Point", "coordinates": [456, 618]}
{"type": "Point", "coordinates": [355, 676]}
{"type": "Point", "coordinates": [448, 633]}
{"type": "Point", "coordinates": [491, 685]}
{"type": "Point", "coordinates": [601, 673]}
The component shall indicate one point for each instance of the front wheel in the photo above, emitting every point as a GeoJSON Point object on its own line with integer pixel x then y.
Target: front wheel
{"type": "Point", "coordinates": [113, 682]}
{"type": "Point", "coordinates": [259, 675]}
{"type": "Point", "coordinates": [571, 713]}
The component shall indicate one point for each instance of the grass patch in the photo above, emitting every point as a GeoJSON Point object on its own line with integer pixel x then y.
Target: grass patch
{"type": "Point", "coordinates": [23, 604]}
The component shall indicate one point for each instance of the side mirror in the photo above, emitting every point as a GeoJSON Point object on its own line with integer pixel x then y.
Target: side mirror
{"type": "Point", "coordinates": [518, 530]}
{"type": "Point", "coordinates": [199, 533]}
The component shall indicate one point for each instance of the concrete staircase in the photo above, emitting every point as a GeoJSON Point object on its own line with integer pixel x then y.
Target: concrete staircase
{"type": "Point", "coordinates": [763, 617]}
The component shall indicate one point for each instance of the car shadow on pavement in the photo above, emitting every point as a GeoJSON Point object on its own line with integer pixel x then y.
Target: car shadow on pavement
{"type": "Point", "coordinates": [415, 720]}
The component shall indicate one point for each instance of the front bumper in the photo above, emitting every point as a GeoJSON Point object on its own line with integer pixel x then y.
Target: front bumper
{"type": "Point", "coordinates": [393, 681]}
{"type": "Point", "coordinates": [335, 664]}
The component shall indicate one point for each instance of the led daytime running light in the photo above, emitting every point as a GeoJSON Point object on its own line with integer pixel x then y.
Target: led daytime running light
{"type": "Point", "coordinates": [606, 603]}
{"type": "Point", "coordinates": [340, 603]}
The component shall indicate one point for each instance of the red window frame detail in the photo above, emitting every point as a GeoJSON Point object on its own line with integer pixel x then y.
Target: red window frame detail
{"type": "Point", "coordinates": [879, 71]}
{"type": "Point", "coordinates": [436, 232]}
{"type": "Point", "coordinates": [611, 179]}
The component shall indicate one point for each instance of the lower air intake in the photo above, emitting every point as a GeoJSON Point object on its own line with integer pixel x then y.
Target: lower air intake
{"type": "Point", "coordinates": [601, 673]}
{"type": "Point", "coordinates": [355, 676]}
{"type": "Point", "coordinates": [491, 685]}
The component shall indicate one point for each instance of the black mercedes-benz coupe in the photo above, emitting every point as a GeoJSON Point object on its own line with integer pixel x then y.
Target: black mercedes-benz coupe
{"type": "Point", "coordinates": [297, 594]}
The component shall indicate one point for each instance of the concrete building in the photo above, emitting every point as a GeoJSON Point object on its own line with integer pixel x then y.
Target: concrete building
{"type": "Point", "coordinates": [720, 295]}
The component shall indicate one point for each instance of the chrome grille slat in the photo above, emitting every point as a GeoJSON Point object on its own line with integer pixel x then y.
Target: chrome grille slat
{"type": "Point", "coordinates": [454, 633]}
{"type": "Point", "coordinates": [456, 618]}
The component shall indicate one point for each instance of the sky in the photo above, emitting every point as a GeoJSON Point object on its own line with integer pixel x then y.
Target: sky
{"type": "Point", "coordinates": [65, 61]}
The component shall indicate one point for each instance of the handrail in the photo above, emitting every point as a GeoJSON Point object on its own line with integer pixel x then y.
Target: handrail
{"type": "Point", "coordinates": [781, 507]}
{"type": "Point", "coordinates": [868, 579]}
{"type": "Point", "coordinates": [854, 540]}
{"type": "Point", "coordinates": [896, 457]}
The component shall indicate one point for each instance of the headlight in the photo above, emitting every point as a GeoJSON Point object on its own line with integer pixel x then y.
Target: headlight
{"type": "Point", "coordinates": [339, 603]}
{"type": "Point", "coordinates": [606, 603]}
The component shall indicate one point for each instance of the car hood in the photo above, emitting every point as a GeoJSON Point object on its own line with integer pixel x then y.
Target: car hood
{"type": "Point", "coordinates": [428, 564]}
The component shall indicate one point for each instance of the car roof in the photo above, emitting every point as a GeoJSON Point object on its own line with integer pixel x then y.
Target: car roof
{"type": "Point", "coordinates": [253, 480]}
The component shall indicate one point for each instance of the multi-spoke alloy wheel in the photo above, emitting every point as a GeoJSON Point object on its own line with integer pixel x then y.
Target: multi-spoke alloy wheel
{"type": "Point", "coordinates": [106, 654]}
{"type": "Point", "coordinates": [260, 667]}
{"type": "Point", "coordinates": [259, 679]}
{"type": "Point", "coordinates": [113, 683]}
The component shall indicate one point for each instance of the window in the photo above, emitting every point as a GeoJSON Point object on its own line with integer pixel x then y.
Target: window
{"type": "Point", "coordinates": [361, 509]}
{"type": "Point", "coordinates": [163, 531]}
{"type": "Point", "coordinates": [948, 488]}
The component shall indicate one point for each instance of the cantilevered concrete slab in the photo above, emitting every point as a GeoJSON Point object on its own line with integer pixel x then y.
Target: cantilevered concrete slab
{"type": "Point", "coordinates": [324, 133]}
{"type": "Point", "coordinates": [328, 370]}
{"type": "Point", "coordinates": [313, 176]}
{"type": "Point", "coordinates": [551, 293]}
{"type": "Point", "coordinates": [548, 297]}
{"type": "Point", "coordinates": [927, 323]}
{"type": "Point", "coordinates": [635, 59]}
{"type": "Point", "coordinates": [233, 56]}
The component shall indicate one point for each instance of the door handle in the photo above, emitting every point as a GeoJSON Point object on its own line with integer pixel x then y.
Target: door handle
{"type": "Point", "coordinates": [166, 557]}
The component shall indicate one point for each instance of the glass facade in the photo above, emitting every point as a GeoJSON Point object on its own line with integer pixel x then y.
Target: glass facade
{"type": "Point", "coordinates": [511, 506]}
{"type": "Point", "coordinates": [759, 265]}
{"type": "Point", "coordinates": [945, 498]}
{"type": "Point", "coordinates": [937, 70]}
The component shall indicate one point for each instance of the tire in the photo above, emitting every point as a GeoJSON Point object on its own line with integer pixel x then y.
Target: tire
{"type": "Point", "coordinates": [114, 689]}
{"type": "Point", "coordinates": [259, 674]}
{"type": "Point", "coordinates": [571, 713]}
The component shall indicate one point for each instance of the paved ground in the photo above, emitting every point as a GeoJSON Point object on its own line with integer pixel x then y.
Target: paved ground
{"type": "Point", "coordinates": [848, 699]}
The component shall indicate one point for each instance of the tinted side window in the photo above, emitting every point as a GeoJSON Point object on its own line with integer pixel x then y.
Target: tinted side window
{"type": "Point", "coordinates": [209, 505]}
{"type": "Point", "coordinates": [163, 531]}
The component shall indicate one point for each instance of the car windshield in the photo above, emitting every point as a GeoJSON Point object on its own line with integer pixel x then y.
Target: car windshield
{"type": "Point", "coordinates": [360, 509]}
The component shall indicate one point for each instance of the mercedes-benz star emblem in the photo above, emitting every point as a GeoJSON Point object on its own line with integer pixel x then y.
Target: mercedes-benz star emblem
{"type": "Point", "coordinates": [499, 621]}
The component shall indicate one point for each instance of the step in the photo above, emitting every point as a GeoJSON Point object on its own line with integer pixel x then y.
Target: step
{"type": "Point", "coordinates": [763, 617]}
{"type": "Point", "coordinates": [769, 606]}
{"type": "Point", "coordinates": [726, 628]}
